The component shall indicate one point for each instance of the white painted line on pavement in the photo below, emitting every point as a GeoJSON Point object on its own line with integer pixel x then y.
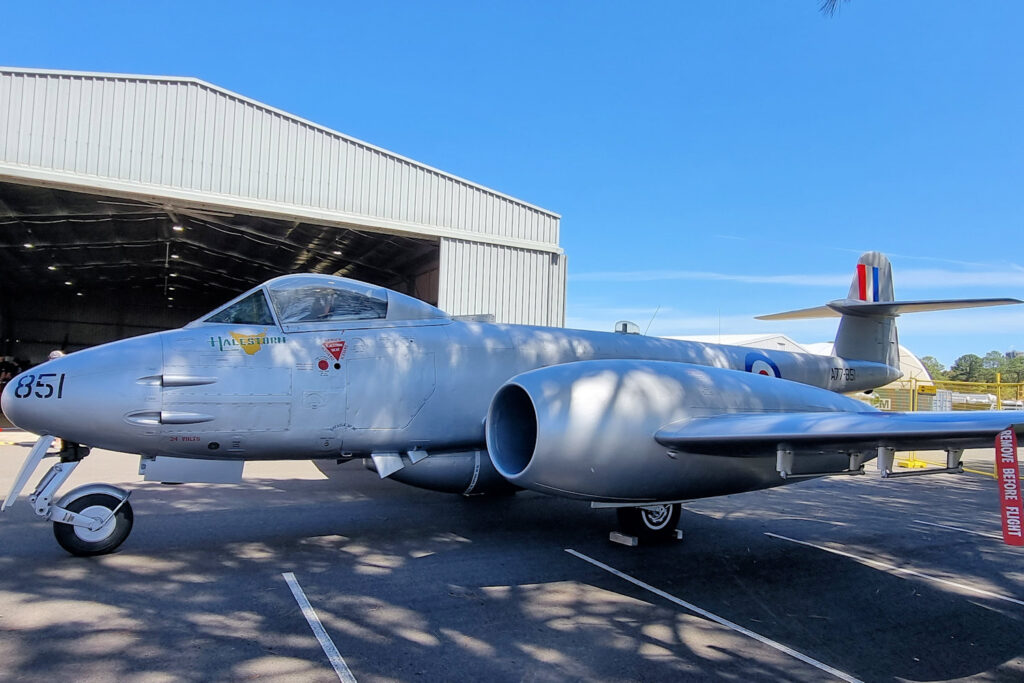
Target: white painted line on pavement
{"type": "Point", "coordinates": [900, 570]}
{"type": "Point", "coordinates": [717, 619]}
{"type": "Point", "coordinates": [956, 528]}
{"type": "Point", "coordinates": [337, 661]}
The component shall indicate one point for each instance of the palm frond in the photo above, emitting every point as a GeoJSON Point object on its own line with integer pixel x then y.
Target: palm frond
{"type": "Point", "coordinates": [831, 7]}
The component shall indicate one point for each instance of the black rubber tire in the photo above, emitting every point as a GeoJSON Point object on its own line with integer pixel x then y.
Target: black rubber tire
{"type": "Point", "coordinates": [69, 538]}
{"type": "Point", "coordinates": [651, 525]}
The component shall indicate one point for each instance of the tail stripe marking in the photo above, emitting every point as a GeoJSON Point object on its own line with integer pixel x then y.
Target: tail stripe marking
{"type": "Point", "coordinates": [863, 284]}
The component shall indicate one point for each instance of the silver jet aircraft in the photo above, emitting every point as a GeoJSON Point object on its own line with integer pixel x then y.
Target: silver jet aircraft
{"type": "Point", "coordinates": [325, 368]}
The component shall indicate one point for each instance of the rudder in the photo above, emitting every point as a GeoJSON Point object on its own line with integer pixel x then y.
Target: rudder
{"type": "Point", "coordinates": [872, 279]}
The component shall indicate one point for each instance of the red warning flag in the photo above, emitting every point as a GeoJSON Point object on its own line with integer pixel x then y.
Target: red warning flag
{"type": "Point", "coordinates": [1010, 502]}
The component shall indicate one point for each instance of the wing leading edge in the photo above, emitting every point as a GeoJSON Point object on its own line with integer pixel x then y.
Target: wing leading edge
{"type": "Point", "coordinates": [749, 434]}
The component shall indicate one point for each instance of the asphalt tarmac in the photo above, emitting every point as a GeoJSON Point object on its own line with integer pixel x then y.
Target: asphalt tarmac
{"type": "Point", "coordinates": [846, 578]}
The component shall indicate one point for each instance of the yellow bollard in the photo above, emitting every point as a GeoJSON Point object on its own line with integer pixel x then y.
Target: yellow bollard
{"type": "Point", "coordinates": [911, 462]}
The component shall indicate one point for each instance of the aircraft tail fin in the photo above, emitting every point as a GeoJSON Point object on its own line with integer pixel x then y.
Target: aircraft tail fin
{"type": "Point", "coordinates": [867, 329]}
{"type": "Point", "coordinates": [866, 332]}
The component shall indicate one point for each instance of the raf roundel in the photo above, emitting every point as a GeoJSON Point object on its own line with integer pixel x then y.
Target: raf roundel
{"type": "Point", "coordinates": [760, 364]}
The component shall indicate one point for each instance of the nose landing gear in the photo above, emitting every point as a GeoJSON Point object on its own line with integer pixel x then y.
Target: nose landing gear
{"type": "Point", "coordinates": [112, 522]}
{"type": "Point", "coordinates": [90, 520]}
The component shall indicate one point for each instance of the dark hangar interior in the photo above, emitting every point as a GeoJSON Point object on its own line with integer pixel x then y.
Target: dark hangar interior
{"type": "Point", "coordinates": [80, 269]}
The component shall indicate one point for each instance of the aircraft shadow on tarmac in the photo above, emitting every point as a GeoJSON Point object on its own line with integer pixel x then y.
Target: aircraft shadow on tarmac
{"type": "Point", "coordinates": [414, 584]}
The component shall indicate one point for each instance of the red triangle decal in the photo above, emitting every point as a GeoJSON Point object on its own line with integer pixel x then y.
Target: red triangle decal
{"type": "Point", "coordinates": [335, 348]}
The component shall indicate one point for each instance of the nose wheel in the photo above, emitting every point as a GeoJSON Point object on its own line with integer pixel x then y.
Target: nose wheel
{"type": "Point", "coordinates": [112, 522]}
{"type": "Point", "coordinates": [90, 520]}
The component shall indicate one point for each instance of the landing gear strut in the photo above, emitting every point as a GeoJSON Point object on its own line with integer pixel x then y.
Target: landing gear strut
{"type": "Point", "coordinates": [90, 520]}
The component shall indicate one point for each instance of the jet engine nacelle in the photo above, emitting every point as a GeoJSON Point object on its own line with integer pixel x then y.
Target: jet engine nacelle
{"type": "Point", "coordinates": [587, 429]}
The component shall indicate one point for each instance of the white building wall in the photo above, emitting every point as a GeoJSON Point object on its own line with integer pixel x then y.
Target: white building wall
{"type": "Point", "coordinates": [516, 285]}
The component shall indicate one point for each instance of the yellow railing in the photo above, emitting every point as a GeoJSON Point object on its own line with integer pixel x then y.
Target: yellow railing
{"type": "Point", "coordinates": [948, 395]}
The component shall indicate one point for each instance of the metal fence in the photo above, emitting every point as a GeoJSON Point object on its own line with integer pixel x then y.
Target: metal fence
{"type": "Point", "coordinates": [947, 395]}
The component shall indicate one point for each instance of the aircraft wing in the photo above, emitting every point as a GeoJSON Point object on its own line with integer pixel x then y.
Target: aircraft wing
{"type": "Point", "coordinates": [739, 434]}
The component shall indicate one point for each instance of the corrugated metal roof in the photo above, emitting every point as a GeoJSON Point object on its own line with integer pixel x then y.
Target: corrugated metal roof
{"type": "Point", "coordinates": [182, 139]}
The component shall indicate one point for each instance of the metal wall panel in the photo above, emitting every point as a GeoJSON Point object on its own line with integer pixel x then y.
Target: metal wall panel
{"type": "Point", "coordinates": [516, 285]}
{"type": "Point", "coordinates": [189, 134]}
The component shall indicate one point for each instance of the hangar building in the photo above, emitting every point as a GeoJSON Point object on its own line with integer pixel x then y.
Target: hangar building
{"type": "Point", "coordinates": [130, 204]}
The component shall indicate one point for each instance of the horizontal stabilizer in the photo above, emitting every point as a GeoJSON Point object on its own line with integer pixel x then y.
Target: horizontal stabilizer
{"type": "Point", "coordinates": [745, 434]}
{"type": "Point", "coordinates": [801, 314]}
{"type": "Point", "coordinates": [841, 307]}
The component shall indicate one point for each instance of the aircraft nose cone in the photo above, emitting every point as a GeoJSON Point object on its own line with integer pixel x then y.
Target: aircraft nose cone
{"type": "Point", "coordinates": [85, 396]}
{"type": "Point", "coordinates": [31, 396]}
{"type": "Point", "coordinates": [17, 403]}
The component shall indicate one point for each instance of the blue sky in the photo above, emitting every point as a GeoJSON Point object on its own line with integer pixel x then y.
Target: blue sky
{"type": "Point", "coordinates": [711, 160]}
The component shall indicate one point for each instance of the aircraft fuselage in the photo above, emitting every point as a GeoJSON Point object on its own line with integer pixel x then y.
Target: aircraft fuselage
{"type": "Point", "coordinates": [213, 390]}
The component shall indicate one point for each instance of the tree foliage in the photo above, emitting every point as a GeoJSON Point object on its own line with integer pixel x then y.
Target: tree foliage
{"type": "Point", "coordinates": [936, 370]}
{"type": "Point", "coordinates": [1013, 370]}
{"type": "Point", "coordinates": [973, 368]}
{"type": "Point", "coordinates": [967, 368]}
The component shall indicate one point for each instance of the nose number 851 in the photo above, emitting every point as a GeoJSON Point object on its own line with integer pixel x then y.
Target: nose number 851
{"type": "Point", "coordinates": [44, 386]}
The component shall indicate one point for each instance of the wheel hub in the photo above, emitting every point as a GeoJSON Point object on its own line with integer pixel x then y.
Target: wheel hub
{"type": "Point", "coordinates": [657, 516]}
{"type": "Point", "coordinates": [99, 513]}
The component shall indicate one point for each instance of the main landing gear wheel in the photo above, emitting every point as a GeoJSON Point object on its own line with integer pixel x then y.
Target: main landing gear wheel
{"type": "Point", "coordinates": [651, 523]}
{"type": "Point", "coordinates": [79, 540]}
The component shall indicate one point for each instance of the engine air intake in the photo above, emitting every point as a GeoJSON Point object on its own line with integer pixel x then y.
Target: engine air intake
{"type": "Point", "coordinates": [511, 430]}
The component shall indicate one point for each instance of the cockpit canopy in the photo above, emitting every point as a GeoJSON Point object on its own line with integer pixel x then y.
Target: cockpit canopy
{"type": "Point", "coordinates": [312, 299]}
{"type": "Point", "coordinates": [308, 298]}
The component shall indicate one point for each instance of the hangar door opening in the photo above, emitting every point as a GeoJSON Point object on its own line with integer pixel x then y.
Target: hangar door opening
{"type": "Point", "coordinates": [80, 269]}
